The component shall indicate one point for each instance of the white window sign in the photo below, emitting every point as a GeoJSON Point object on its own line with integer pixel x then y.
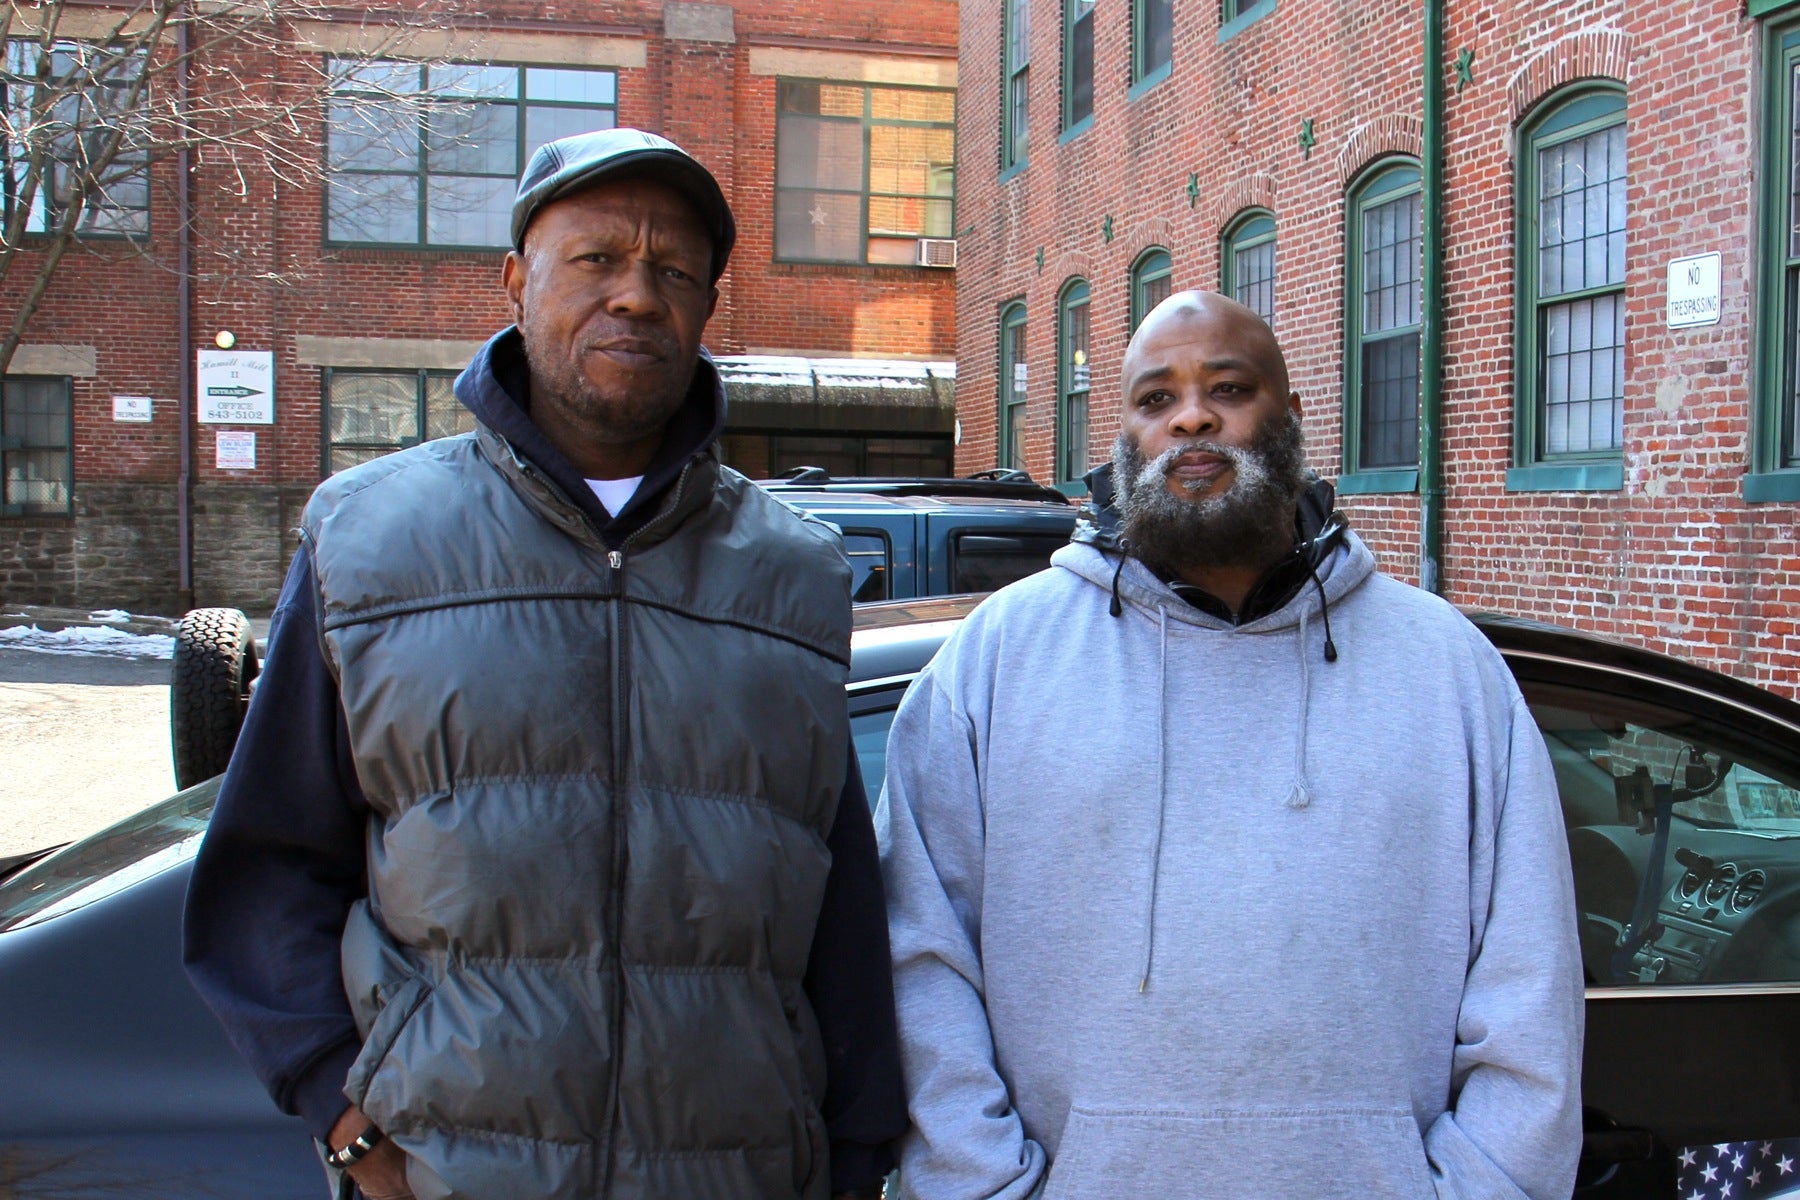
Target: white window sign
{"type": "Point", "coordinates": [234, 449]}
{"type": "Point", "coordinates": [134, 410]}
{"type": "Point", "coordinates": [236, 387]}
{"type": "Point", "coordinates": [1694, 291]}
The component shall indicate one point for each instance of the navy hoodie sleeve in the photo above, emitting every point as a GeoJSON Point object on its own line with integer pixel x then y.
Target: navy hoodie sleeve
{"type": "Point", "coordinates": [849, 980]}
{"type": "Point", "coordinates": [282, 861]}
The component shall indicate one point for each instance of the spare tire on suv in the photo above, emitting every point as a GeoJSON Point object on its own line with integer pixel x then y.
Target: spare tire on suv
{"type": "Point", "coordinates": [209, 690]}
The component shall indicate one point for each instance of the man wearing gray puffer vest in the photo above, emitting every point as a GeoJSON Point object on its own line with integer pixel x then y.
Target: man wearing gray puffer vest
{"type": "Point", "coordinates": [543, 867]}
{"type": "Point", "coordinates": [1220, 864]}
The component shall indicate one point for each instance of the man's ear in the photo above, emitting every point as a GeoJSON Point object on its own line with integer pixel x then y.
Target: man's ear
{"type": "Point", "coordinates": [512, 278]}
{"type": "Point", "coordinates": [1294, 404]}
{"type": "Point", "coordinates": [712, 302]}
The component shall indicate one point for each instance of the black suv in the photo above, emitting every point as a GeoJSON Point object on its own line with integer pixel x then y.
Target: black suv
{"type": "Point", "coordinates": [934, 537]}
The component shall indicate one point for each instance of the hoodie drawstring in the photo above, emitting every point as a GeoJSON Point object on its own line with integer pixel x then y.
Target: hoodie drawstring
{"type": "Point", "coordinates": [1116, 607]}
{"type": "Point", "coordinates": [1301, 795]}
{"type": "Point", "coordinates": [1162, 782]}
{"type": "Point", "coordinates": [1324, 615]}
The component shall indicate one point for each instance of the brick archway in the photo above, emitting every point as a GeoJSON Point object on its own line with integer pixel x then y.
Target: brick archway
{"type": "Point", "coordinates": [1395, 133]}
{"type": "Point", "coordinates": [1588, 54]}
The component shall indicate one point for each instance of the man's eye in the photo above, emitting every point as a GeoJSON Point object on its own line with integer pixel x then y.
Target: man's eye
{"type": "Point", "coordinates": [1152, 399]}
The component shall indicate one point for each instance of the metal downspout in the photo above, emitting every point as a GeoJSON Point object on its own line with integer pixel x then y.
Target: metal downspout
{"type": "Point", "coordinates": [184, 289]}
{"type": "Point", "coordinates": [1431, 341]}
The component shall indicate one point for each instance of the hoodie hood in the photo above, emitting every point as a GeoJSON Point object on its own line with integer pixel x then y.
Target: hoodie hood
{"type": "Point", "coordinates": [496, 387]}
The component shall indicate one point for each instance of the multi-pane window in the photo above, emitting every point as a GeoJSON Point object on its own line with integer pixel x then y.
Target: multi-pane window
{"type": "Point", "coordinates": [36, 446]}
{"type": "Point", "coordinates": [431, 154]}
{"type": "Point", "coordinates": [1013, 387]}
{"type": "Point", "coordinates": [862, 171]}
{"type": "Point", "coordinates": [1151, 278]}
{"type": "Point", "coordinates": [1078, 62]}
{"type": "Point", "coordinates": [1572, 279]}
{"type": "Point", "coordinates": [1382, 321]}
{"type": "Point", "coordinates": [1015, 112]}
{"type": "Point", "coordinates": [1778, 328]}
{"type": "Point", "coordinates": [1072, 382]}
{"type": "Point", "coordinates": [1152, 37]}
{"type": "Point", "coordinates": [72, 146]}
{"type": "Point", "coordinates": [372, 413]}
{"type": "Point", "coordinates": [1247, 262]}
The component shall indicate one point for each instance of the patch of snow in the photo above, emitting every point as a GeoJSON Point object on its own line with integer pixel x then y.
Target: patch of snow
{"type": "Point", "coordinates": [83, 639]}
{"type": "Point", "coordinates": [110, 615]}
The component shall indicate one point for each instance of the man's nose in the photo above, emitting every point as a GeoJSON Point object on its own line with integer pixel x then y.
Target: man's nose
{"type": "Point", "coordinates": [1193, 416]}
{"type": "Point", "coordinates": [635, 292]}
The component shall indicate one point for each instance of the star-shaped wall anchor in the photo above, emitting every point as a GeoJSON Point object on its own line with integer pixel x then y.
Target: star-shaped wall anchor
{"type": "Point", "coordinates": [1106, 228]}
{"type": "Point", "coordinates": [1307, 138]}
{"type": "Point", "coordinates": [1465, 68]}
{"type": "Point", "coordinates": [1040, 260]}
{"type": "Point", "coordinates": [1193, 189]}
{"type": "Point", "coordinates": [817, 213]}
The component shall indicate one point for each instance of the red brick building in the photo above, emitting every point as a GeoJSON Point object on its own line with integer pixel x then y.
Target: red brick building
{"type": "Point", "coordinates": [829, 124]}
{"type": "Point", "coordinates": [1620, 280]}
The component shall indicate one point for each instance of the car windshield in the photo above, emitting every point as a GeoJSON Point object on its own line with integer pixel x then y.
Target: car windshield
{"type": "Point", "coordinates": [96, 867]}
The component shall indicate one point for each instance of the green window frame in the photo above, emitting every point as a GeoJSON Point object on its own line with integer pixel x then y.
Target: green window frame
{"type": "Point", "coordinates": [1569, 286]}
{"type": "Point", "coordinates": [85, 139]}
{"type": "Point", "coordinates": [37, 446]}
{"type": "Point", "coordinates": [1152, 278]}
{"type": "Point", "coordinates": [1383, 307]}
{"type": "Point", "coordinates": [1237, 15]}
{"type": "Point", "coordinates": [369, 412]}
{"type": "Point", "coordinates": [1078, 66]}
{"type": "Point", "coordinates": [429, 155]}
{"type": "Point", "coordinates": [1152, 42]}
{"type": "Point", "coordinates": [862, 171]}
{"type": "Point", "coordinates": [1073, 381]}
{"type": "Point", "coordinates": [1015, 104]}
{"type": "Point", "coordinates": [1247, 262]}
{"type": "Point", "coordinates": [1775, 420]}
{"type": "Point", "coordinates": [1014, 388]}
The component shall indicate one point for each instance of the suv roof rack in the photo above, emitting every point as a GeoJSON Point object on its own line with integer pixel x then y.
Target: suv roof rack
{"type": "Point", "coordinates": [997, 484]}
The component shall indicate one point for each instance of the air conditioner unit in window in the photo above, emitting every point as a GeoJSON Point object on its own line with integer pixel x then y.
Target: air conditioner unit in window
{"type": "Point", "coordinates": [936, 252]}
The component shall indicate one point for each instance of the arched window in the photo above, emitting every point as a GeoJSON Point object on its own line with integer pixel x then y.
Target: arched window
{"type": "Point", "coordinates": [1570, 344]}
{"type": "Point", "coordinates": [1247, 262]}
{"type": "Point", "coordinates": [1011, 426]}
{"type": "Point", "coordinates": [1383, 301]}
{"type": "Point", "coordinates": [1072, 382]}
{"type": "Point", "coordinates": [1150, 283]}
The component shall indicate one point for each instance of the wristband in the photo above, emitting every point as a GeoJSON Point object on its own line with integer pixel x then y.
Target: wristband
{"type": "Point", "coordinates": [356, 1149]}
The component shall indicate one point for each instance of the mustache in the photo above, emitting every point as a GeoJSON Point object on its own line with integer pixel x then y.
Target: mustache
{"type": "Point", "coordinates": [1156, 470]}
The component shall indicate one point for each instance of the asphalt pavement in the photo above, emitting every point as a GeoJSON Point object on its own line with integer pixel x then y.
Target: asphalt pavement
{"type": "Point", "coordinates": [84, 742]}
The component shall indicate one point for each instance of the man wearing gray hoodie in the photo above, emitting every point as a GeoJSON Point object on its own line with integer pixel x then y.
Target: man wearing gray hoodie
{"type": "Point", "coordinates": [1220, 864]}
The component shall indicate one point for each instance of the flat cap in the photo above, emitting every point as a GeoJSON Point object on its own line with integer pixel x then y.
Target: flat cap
{"type": "Point", "coordinates": [570, 164]}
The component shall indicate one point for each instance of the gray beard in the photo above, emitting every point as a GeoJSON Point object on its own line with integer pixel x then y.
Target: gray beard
{"type": "Point", "coordinates": [1250, 524]}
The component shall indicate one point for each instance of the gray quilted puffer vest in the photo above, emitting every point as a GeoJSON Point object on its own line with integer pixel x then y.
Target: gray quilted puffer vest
{"type": "Point", "coordinates": [602, 784]}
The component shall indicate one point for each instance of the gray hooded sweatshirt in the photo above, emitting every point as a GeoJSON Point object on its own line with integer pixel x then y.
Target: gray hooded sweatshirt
{"type": "Point", "coordinates": [1181, 909]}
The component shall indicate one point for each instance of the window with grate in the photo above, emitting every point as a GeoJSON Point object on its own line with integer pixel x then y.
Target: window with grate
{"type": "Point", "coordinates": [1152, 275]}
{"type": "Point", "coordinates": [1382, 321]}
{"type": "Point", "coordinates": [430, 155]}
{"type": "Point", "coordinates": [372, 413]}
{"type": "Point", "coordinates": [1571, 279]}
{"type": "Point", "coordinates": [37, 458]}
{"type": "Point", "coordinates": [1014, 376]}
{"type": "Point", "coordinates": [1072, 382]}
{"type": "Point", "coordinates": [1247, 262]}
{"type": "Point", "coordinates": [862, 171]}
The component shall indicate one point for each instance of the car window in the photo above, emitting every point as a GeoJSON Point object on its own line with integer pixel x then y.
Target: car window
{"type": "Point", "coordinates": [982, 562]}
{"type": "Point", "coordinates": [871, 568]}
{"type": "Point", "coordinates": [869, 733]}
{"type": "Point", "coordinates": [115, 858]}
{"type": "Point", "coordinates": [1721, 903]}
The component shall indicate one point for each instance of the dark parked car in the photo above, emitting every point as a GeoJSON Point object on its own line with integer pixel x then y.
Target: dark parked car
{"type": "Point", "coordinates": [1681, 790]}
{"type": "Point", "coordinates": [934, 537]}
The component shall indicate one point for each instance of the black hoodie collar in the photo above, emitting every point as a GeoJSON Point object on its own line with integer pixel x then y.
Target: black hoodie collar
{"type": "Point", "coordinates": [496, 387]}
{"type": "Point", "coordinates": [1318, 529]}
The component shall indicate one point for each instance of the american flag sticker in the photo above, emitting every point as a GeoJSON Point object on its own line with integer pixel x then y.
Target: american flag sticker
{"type": "Point", "coordinates": [1740, 1170]}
